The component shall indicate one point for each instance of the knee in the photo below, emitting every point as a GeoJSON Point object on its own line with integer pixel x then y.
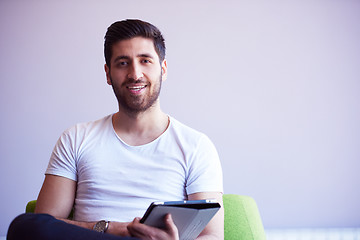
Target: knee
{"type": "Point", "coordinates": [26, 225]}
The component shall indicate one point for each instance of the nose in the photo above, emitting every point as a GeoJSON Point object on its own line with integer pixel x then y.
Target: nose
{"type": "Point", "coordinates": [135, 72]}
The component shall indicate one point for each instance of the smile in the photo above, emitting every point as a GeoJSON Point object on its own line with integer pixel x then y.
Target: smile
{"type": "Point", "coordinates": [136, 89]}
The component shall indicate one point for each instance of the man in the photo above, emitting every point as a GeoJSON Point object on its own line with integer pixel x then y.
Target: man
{"type": "Point", "coordinates": [110, 170]}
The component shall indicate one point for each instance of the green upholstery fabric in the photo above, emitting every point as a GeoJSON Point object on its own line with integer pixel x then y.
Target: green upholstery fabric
{"type": "Point", "coordinates": [30, 207]}
{"type": "Point", "coordinates": [242, 219]}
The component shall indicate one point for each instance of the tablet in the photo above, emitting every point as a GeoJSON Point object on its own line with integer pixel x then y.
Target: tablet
{"type": "Point", "coordinates": [190, 217]}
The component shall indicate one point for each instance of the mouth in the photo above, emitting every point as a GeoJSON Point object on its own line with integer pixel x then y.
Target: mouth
{"type": "Point", "coordinates": [136, 89]}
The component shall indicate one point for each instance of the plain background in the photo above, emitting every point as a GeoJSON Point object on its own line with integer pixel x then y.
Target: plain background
{"type": "Point", "coordinates": [274, 84]}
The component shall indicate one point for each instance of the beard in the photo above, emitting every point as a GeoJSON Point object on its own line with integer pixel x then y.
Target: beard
{"type": "Point", "coordinates": [135, 104]}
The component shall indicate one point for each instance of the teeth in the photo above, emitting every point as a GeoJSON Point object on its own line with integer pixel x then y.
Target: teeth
{"type": "Point", "coordinates": [136, 88]}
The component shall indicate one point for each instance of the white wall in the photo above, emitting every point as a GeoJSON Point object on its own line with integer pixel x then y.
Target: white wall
{"type": "Point", "coordinates": [275, 84]}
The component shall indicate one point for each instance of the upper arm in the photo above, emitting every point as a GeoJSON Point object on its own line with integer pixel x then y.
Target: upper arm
{"type": "Point", "coordinates": [215, 227]}
{"type": "Point", "coordinates": [56, 196]}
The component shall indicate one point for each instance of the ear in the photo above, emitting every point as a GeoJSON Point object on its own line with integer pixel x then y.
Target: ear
{"type": "Point", "coordinates": [164, 70]}
{"type": "Point", "coordinates": [107, 71]}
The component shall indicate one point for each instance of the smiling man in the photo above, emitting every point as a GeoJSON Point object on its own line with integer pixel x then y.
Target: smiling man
{"type": "Point", "coordinates": [136, 74]}
{"type": "Point", "coordinates": [110, 170]}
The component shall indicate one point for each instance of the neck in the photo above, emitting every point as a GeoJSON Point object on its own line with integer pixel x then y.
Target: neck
{"type": "Point", "coordinates": [140, 128]}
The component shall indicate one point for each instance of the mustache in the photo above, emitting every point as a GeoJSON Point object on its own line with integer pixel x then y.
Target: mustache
{"type": "Point", "coordinates": [135, 81]}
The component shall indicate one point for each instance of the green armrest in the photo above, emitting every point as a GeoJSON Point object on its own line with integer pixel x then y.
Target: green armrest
{"type": "Point", "coordinates": [242, 220]}
{"type": "Point", "coordinates": [30, 207]}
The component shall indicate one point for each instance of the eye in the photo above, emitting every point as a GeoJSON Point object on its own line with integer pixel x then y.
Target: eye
{"type": "Point", "coordinates": [146, 61]}
{"type": "Point", "coordinates": [122, 63]}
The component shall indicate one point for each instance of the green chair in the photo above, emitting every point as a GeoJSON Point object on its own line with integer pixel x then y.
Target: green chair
{"type": "Point", "coordinates": [30, 207]}
{"type": "Point", "coordinates": [242, 219]}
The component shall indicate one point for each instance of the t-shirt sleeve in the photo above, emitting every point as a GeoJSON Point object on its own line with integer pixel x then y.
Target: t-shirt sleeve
{"type": "Point", "coordinates": [205, 172]}
{"type": "Point", "coordinates": [62, 161]}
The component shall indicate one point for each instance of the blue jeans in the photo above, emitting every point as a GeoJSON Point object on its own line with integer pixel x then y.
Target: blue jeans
{"type": "Point", "coordinates": [43, 227]}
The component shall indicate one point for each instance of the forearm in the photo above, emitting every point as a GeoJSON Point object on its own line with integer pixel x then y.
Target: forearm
{"type": "Point", "coordinates": [211, 233]}
{"type": "Point", "coordinates": [88, 225]}
{"type": "Point", "coordinates": [215, 228]}
{"type": "Point", "coordinates": [115, 228]}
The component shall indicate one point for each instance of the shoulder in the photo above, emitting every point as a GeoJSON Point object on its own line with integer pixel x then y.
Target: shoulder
{"type": "Point", "coordinates": [86, 128]}
{"type": "Point", "coordinates": [83, 132]}
{"type": "Point", "coordinates": [187, 135]}
{"type": "Point", "coordinates": [75, 138]}
{"type": "Point", "coordinates": [182, 129]}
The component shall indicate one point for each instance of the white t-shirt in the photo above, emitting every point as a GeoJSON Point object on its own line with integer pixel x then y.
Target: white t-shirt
{"type": "Point", "coordinates": [117, 182]}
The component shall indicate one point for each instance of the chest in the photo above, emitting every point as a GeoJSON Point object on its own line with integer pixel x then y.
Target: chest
{"type": "Point", "coordinates": [110, 172]}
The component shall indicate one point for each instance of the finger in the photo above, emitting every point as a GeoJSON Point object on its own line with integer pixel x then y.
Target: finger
{"type": "Point", "coordinates": [136, 220]}
{"type": "Point", "coordinates": [140, 230]}
{"type": "Point", "coordinates": [170, 225]}
{"type": "Point", "coordinates": [132, 228]}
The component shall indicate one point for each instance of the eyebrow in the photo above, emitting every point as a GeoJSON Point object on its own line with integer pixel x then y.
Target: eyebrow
{"type": "Point", "coordinates": [121, 57]}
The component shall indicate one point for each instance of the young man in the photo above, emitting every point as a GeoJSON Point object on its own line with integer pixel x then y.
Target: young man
{"type": "Point", "coordinates": [110, 170]}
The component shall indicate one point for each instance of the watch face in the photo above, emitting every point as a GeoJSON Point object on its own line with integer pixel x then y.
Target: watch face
{"type": "Point", "coordinates": [101, 226]}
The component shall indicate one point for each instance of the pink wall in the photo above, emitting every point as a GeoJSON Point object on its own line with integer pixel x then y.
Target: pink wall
{"type": "Point", "coordinates": [275, 85]}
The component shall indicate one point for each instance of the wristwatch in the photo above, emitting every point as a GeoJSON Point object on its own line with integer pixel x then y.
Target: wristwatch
{"type": "Point", "coordinates": [101, 226]}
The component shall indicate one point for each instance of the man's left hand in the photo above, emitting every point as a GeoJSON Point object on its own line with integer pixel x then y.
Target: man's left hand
{"type": "Point", "coordinates": [144, 232]}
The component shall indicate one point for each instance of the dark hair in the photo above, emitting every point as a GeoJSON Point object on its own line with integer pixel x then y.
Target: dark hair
{"type": "Point", "coordinates": [129, 28]}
